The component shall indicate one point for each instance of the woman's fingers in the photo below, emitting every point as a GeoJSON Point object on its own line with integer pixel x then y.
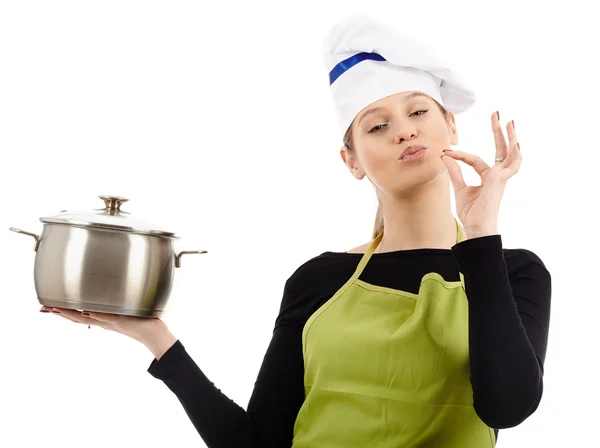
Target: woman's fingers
{"type": "Point", "coordinates": [75, 316]}
{"type": "Point", "coordinates": [110, 319]}
{"type": "Point", "coordinates": [69, 314]}
{"type": "Point", "coordinates": [64, 315]}
{"type": "Point", "coordinates": [501, 146]}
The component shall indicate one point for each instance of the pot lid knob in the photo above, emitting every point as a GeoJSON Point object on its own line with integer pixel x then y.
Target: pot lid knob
{"type": "Point", "coordinates": [113, 203]}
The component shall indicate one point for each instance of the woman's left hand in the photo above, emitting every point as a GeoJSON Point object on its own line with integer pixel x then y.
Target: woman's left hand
{"type": "Point", "coordinates": [478, 207]}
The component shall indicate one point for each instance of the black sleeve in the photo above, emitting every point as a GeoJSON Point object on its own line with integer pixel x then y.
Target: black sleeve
{"type": "Point", "coordinates": [509, 315]}
{"type": "Point", "coordinates": [274, 404]}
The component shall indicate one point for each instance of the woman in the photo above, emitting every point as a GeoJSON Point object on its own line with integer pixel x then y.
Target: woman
{"type": "Point", "coordinates": [431, 334]}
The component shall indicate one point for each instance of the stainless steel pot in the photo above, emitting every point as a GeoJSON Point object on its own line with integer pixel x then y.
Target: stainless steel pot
{"type": "Point", "coordinates": [104, 260]}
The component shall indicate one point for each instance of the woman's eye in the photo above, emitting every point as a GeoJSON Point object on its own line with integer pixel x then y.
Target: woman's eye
{"type": "Point", "coordinates": [377, 128]}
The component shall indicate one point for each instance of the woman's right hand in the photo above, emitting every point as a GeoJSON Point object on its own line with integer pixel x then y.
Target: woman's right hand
{"type": "Point", "coordinates": [150, 331]}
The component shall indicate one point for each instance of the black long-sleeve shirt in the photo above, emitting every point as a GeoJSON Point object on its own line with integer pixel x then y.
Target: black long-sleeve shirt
{"type": "Point", "coordinates": [509, 295]}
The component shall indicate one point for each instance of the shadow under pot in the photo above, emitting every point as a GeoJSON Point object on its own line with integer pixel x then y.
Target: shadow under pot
{"type": "Point", "coordinates": [105, 260]}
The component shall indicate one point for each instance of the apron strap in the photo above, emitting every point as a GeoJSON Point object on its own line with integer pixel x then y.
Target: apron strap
{"type": "Point", "coordinates": [460, 236]}
{"type": "Point", "coordinates": [366, 257]}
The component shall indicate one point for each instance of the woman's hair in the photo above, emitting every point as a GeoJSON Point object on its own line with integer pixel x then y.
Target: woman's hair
{"type": "Point", "coordinates": [378, 227]}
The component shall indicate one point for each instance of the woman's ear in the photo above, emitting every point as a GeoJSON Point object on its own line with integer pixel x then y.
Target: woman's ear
{"type": "Point", "coordinates": [351, 162]}
{"type": "Point", "coordinates": [452, 131]}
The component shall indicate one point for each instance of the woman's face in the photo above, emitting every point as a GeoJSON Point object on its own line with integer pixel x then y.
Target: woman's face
{"type": "Point", "coordinates": [384, 129]}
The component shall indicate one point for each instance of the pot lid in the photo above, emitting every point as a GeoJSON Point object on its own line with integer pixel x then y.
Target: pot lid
{"type": "Point", "coordinates": [110, 217]}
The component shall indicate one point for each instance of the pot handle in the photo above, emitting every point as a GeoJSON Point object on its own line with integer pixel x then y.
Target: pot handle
{"type": "Point", "coordinates": [178, 256]}
{"type": "Point", "coordinates": [37, 237]}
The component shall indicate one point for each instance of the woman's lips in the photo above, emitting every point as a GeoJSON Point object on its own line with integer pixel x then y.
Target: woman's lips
{"type": "Point", "coordinates": [415, 156]}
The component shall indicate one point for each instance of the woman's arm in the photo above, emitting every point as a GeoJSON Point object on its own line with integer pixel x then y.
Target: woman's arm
{"type": "Point", "coordinates": [160, 342]}
{"type": "Point", "coordinates": [509, 316]}
{"type": "Point", "coordinates": [277, 397]}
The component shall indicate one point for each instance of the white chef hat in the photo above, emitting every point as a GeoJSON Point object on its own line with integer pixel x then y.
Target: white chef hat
{"type": "Point", "coordinates": [368, 60]}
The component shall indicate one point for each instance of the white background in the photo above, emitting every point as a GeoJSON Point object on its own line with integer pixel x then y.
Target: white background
{"type": "Point", "coordinates": [215, 118]}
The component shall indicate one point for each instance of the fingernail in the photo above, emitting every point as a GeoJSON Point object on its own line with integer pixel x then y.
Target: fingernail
{"type": "Point", "coordinates": [44, 311]}
{"type": "Point", "coordinates": [498, 115]}
{"type": "Point", "coordinates": [85, 314]}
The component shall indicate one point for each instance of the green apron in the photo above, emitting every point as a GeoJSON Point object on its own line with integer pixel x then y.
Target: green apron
{"type": "Point", "coordinates": [387, 368]}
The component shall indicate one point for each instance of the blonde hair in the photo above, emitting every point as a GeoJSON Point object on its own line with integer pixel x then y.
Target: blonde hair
{"type": "Point", "coordinates": [379, 224]}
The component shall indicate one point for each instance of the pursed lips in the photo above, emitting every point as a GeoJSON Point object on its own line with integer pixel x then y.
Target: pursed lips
{"type": "Point", "coordinates": [411, 150]}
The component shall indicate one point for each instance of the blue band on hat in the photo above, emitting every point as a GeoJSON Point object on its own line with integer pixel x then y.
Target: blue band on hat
{"type": "Point", "coordinates": [347, 64]}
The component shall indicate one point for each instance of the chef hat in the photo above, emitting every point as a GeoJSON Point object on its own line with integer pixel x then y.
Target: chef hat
{"type": "Point", "coordinates": [369, 60]}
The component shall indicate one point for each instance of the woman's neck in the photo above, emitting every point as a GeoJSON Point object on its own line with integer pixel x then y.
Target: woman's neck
{"type": "Point", "coordinates": [422, 220]}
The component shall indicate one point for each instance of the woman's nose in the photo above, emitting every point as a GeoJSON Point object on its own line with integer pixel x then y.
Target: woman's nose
{"type": "Point", "coordinates": [405, 134]}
